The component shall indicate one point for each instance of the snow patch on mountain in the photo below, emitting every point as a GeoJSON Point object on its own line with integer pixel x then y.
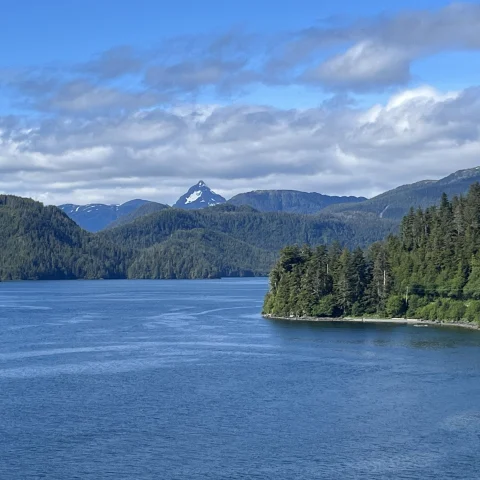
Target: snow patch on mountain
{"type": "Point", "coordinates": [199, 196]}
{"type": "Point", "coordinates": [194, 196]}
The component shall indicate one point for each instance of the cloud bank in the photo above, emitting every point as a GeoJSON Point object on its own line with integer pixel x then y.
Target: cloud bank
{"type": "Point", "coordinates": [418, 134]}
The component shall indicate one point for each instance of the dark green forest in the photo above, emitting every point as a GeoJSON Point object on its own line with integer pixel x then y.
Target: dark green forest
{"type": "Point", "coordinates": [270, 231]}
{"type": "Point", "coordinates": [430, 270]}
{"type": "Point", "coordinates": [38, 242]}
{"type": "Point", "coordinates": [42, 243]}
{"type": "Point", "coordinates": [201, 253]}
{"type": "Point", "coordinates": [266, 230]}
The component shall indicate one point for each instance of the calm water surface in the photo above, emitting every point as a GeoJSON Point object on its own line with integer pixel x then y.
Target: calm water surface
{"type": "Point", "coordinates": [184, 380]}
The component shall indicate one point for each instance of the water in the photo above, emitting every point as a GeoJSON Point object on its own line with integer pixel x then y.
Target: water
{"type": "Point", "coordinates": [184, 380]}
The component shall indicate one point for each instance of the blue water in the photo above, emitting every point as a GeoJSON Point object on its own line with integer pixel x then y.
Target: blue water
{"type": "Point", "coordinates": [184, 380]}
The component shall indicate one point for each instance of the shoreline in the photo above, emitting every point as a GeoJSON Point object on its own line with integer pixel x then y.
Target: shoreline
{"type": "Point", "coordinates": [378, 321]}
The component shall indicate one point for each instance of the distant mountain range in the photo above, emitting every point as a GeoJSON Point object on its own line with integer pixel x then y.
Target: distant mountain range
{"type": "Point", "coordinates": [145, 209]}
{"type": "Point", "coordinates": [96, 216]}
{"type": "Point", "coordinates": [392, 205]}
{"type": "Point", "coordinates": [151, 240]}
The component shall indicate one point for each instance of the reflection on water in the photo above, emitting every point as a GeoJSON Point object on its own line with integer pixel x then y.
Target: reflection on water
{"type": "Point", "coordinates": [384, 334]}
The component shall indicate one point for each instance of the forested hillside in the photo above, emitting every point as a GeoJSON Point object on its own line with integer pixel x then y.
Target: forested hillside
{"type": "Point", "coordinates": [38, 242]}
{"type": "Point", "coordinates": [431, 270]}
{"type": "Point", "coordinates": [269, 231]}
{"type": "Point", "coordinates": [396, 203]}
{"type": "Point", "coordinates": [290, 201]}
{"type": "Point", "coordinates": [201, 253]}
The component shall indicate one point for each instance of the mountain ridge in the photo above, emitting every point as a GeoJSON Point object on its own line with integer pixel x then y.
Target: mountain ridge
{"type": "Point", "coordinates": [94, 217]}
{"type": "Point", "coordinates": [395, 204]}
{"type": "Point", "coordinates": [392, 204]}
{"type": "Point", "coordinates": [290, 201]}
{"type": "Point", "coordinates": [145, 209]}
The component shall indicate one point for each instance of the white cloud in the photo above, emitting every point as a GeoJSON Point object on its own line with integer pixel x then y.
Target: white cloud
{"type": "Point", "coordinates": [378, 52]}
{"type": "Point", "coordinates": [416, 134]}
{"type": "Point", "coordinates": [366, 65]}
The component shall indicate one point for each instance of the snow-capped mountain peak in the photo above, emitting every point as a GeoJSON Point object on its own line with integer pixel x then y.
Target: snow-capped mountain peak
{"type": "Point", "coordinates": [199, 196]}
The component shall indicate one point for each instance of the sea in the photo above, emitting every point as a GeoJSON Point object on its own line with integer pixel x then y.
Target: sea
{"type": "Point", "coordinates": [143, 380]}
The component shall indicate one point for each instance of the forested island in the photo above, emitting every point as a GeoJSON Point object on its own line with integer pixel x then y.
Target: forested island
{"type": "Point", "coordinates": [429, 271]}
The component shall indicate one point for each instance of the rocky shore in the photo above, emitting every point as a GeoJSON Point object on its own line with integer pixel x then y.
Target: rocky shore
{"type": "Point", "coordinates": [386, 321]}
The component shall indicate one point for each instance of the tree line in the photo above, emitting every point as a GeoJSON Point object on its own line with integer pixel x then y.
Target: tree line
{"type": "Point", "coordinates": [40, 242]}
{"type": "Point", "coordinates": [429, 270]}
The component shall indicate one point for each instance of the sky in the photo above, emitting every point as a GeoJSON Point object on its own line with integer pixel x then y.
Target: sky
{"type": "Point", "coordinates": [114, 100]}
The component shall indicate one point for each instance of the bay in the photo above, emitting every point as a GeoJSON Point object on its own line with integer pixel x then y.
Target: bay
{"type": "Point", "coordinates": [185, 380]}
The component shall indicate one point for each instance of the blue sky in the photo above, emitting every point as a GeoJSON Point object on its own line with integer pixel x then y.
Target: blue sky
{"type": "Point", "coordinates": [110, 100]}
{"type": "Point", "coordinates": [51, 32]}
{"type": "Point", "coordinates": [73, 30]}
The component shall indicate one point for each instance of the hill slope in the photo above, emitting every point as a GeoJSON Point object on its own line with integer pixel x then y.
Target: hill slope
{"type": "Point", "coordinates": [200, 253]}
{"type": "Point", "coordinates": [269, 231]}
{"type": "Point", "coordinates": [396, 203]}
{"type": "Point", "coordinates": [38, 242]}
{"type": "Point", "coordinates": [290, 201]}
